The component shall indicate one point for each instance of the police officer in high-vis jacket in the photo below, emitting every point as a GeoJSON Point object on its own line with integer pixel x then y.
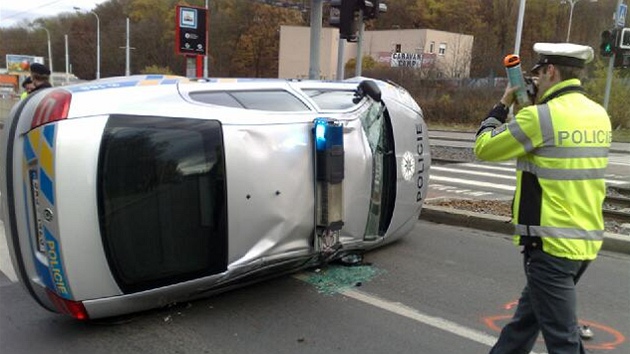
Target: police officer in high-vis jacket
{"type": "Point", "coordinates": [561, 148]}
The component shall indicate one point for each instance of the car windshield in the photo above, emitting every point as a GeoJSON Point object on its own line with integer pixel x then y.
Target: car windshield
{"type": "Point", "coordinates": [377, 127]}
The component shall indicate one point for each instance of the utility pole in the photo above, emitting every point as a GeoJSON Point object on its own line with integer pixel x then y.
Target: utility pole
{"type": "Point", "coordinates": [205, 57]}
{"type": "Point", "coordinates": [316, 32]}
{"type": "Point", "coordinates": [50, 60]}
{"type": "Point", "coordinates": [340, 58]}
{"type": "Point", "coordinates": [519, 27]}
{"type": "Point", "coordinates": [67, 60]}
{"type": "Point", "coordinates": [358, 67]}
{"type": "Point", "coordinates": [127, 53]}
{"type": "Point", "coordinates": [98, 41]}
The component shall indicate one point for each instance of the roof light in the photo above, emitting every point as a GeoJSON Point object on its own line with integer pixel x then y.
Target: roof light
{"type": "Point", "coordinates": [320, 133]}
{"type": "Point", "coordinates": [53, 107]}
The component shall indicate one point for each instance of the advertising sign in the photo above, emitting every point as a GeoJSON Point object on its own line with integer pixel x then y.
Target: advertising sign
{"type": "Point", "coordinates": [17, 64]}
{"type": "Point", "coordinates": [190, 30]}
{"type": "Point", "coordinates": [412, 60]}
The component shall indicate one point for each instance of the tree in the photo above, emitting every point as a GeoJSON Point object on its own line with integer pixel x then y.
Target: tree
{"type": "Point", "coordinates": [257, 54]}
{"type": "Point", "coordinates": [367, 63]}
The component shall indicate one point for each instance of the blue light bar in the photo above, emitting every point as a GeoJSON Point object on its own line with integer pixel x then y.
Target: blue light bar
{"type": "Point", "coordinates": [321, 125]}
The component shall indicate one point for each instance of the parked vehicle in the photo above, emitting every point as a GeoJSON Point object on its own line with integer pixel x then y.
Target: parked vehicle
{"type": "Point", "coordinates": [126, 194]}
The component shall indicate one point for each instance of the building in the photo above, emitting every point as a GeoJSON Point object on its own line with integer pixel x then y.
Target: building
{"type": "Point", "coordinates": [435, 53]}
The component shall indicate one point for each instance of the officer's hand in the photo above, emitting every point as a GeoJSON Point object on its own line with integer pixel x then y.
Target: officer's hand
{"type": "Point", "coordinates": [509, 96]}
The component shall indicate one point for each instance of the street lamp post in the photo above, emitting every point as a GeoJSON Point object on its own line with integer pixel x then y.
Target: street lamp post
{"type": "Point", "coordinates": [50, 60]}
{"type": "Point", "coordinates": [98, 42]}
{"type": "Point", "coordinates": [571, 5]}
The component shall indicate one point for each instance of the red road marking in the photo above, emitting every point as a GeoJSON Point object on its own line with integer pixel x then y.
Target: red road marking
{"type": "Point", "coordinates": [509, 305]}
{"type": "Point", "coordinates": [618, 338]}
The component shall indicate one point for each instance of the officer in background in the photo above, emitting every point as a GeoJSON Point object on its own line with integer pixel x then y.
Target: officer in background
{"type": "Point", "coordinates": [561, 149]}
{"type": "Point", "coordinates": [40, 75]}
{"type": "Point", "coordinates": [28, 86]}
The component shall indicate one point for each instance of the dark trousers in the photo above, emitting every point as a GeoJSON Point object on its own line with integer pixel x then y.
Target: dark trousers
{"type": "Point", "coordinates": [547, 305]}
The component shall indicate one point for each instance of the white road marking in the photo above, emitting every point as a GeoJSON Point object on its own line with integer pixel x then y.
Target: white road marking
{"type": "Point", "coordinates": [471, 183]}
{"type": "Point", "coordinates": [511, 167]}
{"type": "Point", "coordinates": [494, 175]}
{"type": "Point", "coordinates": [469, 172]}
{"type": "Point", "coordinates": [413, 314]}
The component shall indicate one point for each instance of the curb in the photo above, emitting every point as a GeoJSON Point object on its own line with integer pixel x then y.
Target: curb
{"type": "Point", "coordinates": [501, 224]}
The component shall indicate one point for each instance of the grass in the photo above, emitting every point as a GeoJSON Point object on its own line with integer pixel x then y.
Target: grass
{"type": "Point", "coordinates": [453, 127]}
{"type": "Point", "coordinates": [621, 136]}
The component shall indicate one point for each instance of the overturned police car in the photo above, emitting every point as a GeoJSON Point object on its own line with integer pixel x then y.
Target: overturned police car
{"type": "Point", "coordinates": [131, 193]}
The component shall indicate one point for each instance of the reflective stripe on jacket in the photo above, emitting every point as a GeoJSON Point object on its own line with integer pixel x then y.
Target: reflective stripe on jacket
{"type": "Point", "coordinates": [561, 148]}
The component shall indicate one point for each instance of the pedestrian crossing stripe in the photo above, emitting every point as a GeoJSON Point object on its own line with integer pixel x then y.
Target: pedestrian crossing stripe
{"type": "Point", "coordinates": [491, 179]}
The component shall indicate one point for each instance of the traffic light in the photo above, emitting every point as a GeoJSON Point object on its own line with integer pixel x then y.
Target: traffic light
{"type": "Point", "coordinates": [624, 39]}
{"type": "Point", "coordinates": [343, 15]}
{"type": "Point", "coordinates": [370, 9]}
{"type": "Point", "coordinates": [607, 44]}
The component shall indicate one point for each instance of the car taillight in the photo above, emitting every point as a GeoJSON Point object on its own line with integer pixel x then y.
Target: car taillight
{"type": "Point", "coordinates": [54, 106]}
{"type": "Point", "coordinates": [68, 307]}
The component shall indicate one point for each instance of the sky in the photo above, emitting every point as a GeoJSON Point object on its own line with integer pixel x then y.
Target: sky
{"type": "Point", "coordinates": [14, 12]}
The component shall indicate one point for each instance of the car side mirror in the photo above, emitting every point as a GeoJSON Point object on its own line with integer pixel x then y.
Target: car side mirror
{"type": "Point", "coordinates": [367, 88]}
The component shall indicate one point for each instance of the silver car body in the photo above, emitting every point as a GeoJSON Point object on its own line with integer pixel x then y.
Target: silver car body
{"type": "Point", "coordinates": [53, 183]}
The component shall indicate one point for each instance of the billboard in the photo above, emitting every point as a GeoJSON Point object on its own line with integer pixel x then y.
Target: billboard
{"type": "Point", "coordinates": [190, 30]}
{"type": "Point", "coordinates": [17, 64]}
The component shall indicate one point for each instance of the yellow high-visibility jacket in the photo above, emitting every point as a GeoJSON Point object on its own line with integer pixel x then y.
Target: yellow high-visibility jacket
{"type": "Point", "coordinates": [561, 149]}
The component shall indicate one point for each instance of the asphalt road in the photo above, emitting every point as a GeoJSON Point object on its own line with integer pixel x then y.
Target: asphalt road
{"type": "Point", "coordinates": [440, 290]}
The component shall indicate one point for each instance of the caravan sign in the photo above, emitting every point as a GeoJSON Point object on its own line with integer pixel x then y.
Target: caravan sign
{"type": "Point", "coordinates": [410, 60]}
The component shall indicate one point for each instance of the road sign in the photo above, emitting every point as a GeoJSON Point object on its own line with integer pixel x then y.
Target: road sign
{"type": "Point", "coordinates": [621, 15]}
{"type": "Point", "coordinates": [190, 30]}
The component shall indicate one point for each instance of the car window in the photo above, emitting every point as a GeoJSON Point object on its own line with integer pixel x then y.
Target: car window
{"type": "Point", "coordinates": [269, 100]}
{"type": "Point", "coordinates": [218, 98]}
{"type": "Point", "coordinates": [162, 200]}
{"type": "Point", "coordinates": [378, 130]}
{"type": "Point", "coordinates": [265, 100]}
{"type": "Point", "coordinates": [331, 99]}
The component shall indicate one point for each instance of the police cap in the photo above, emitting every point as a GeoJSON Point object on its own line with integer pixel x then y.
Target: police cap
{"type": "Point", "coordinates": [40, 69]}
{"type": "Point", "coordinates": [565, 54]}
{"type": "Point", "coordinates": [27, 81]}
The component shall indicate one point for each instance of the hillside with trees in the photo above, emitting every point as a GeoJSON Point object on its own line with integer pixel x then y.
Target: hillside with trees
{"type": "Point", "coordinates": [243, 34]}
{"type": "Point", "coordinates": [244, 39]}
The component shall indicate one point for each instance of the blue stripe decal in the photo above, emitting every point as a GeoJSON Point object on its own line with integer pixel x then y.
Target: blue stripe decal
{"type": "Point", "coordinates": [44, 274]}
{"type": "Point", "coordinates": [28, 150]}
{"type": "Point", "coordinates": [102, 86]}
{"type": "Point", "coordinates": [154, 77]}
{"type": "Point", "coordinates": [169, 81]}
{"type": "Point", "coordinates": [55, 266]}
{"type": "Point", "coordinates": [49, 134]}
{"type": "Point", "coordinates": [46, 186]}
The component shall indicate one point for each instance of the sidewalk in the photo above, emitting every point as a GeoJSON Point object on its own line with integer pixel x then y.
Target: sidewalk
{"type": "Point", "coordinates": [501, 224]}
{"type": "Point", "coordinates": [5, 260]}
